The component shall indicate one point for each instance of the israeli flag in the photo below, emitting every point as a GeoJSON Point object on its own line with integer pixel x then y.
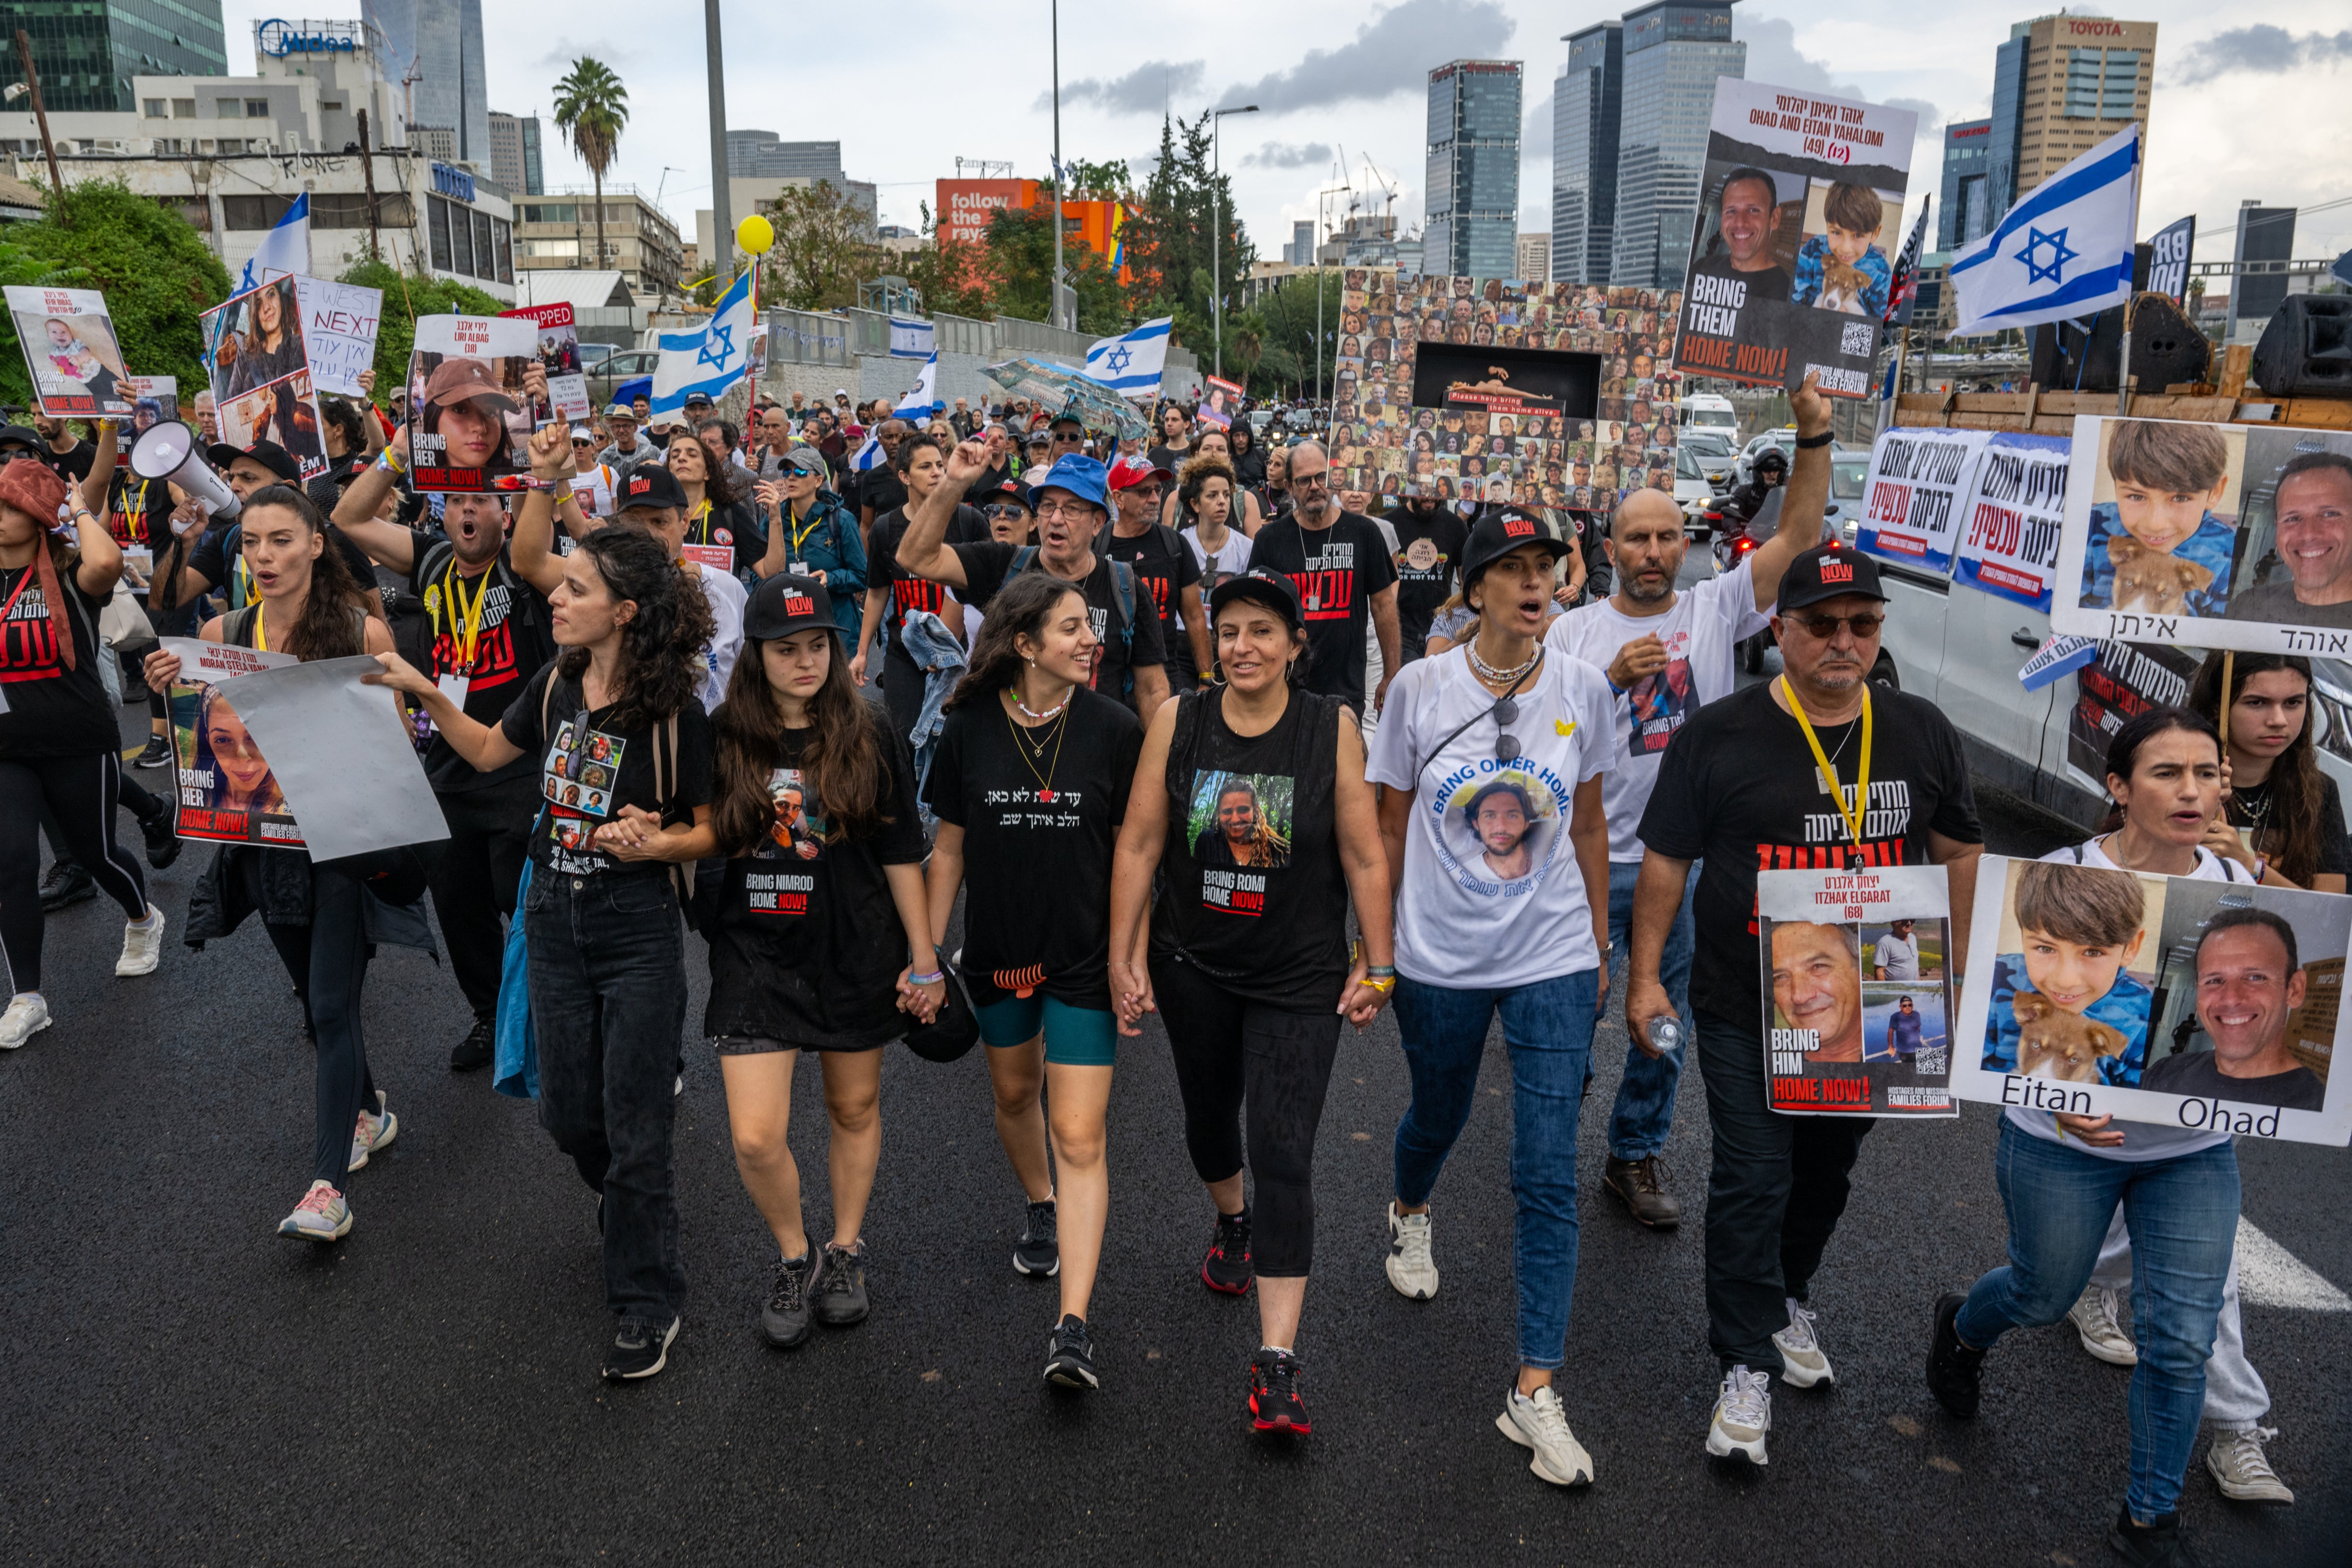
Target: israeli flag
{"type": "Point", "coordinates": [869, 456]}
{"type": "Point", "coordinates": [916, 404]}
{"type": "Point", "coordinates": [285, 249]}
{"type": "Point", "coordinates": [710, 359]}
{"type": "Point", "coordinates": [1132, 362]}
{"type": "Point", "coordinates": [2063, 252]}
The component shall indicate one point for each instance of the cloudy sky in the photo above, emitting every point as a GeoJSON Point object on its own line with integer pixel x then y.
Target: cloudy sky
{"type": "Point", "coordinates": [2249, 102]}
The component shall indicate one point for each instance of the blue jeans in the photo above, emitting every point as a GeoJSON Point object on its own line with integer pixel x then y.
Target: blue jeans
{"type": "Point", "coordinates": [1645, 1095]}
{"type": "Point", "coordinates": [1548, 1028]}
{"type": "Point", "coordinates": [607, 1001]}
{"type": "Point", "coordinates": [2183, 1217]}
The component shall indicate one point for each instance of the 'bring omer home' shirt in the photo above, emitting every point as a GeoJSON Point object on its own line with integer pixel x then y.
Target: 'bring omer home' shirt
{"type": "Point", "coordinates": [1338, 569]}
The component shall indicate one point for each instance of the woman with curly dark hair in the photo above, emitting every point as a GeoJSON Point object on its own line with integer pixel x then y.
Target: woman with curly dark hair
{"type": "Point", "coordinates": [811, 943]}
{"type": "Point", "coordinates": [602, 912]}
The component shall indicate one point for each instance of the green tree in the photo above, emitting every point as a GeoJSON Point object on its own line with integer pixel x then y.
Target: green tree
{"type": "Point", "coordinates": [1093, 181]}
{"type": "Point", "coordinates": [1021, 257]}
{"type": "Point", "coordinates": [1290, 326]}
{"type": "Point", "coordinates": [1168, 237]}
{"type": "Point", "coordinates": [953, 275]}
{"type": "Point", "coordinates": [406, 296]}
{"type": "Point", "coordinates": [155, 270]}
{"type": "Point", "coordinates": [824, 248]}
{"type": "Point", "coordinates": [591, 108]}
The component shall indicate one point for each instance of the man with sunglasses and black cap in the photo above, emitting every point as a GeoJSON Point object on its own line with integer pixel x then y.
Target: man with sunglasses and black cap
{"type": "Point", "coordinates": [1819, 769]}
{"type": "Point", "coordinates": [1346, 571]}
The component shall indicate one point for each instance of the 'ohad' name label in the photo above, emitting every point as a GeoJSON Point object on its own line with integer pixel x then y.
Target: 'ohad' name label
{"type": "Point", "coordinates": [777, 892]}
{"type": "Point", "coordinates": [2205, 1115]}
{"type": "Point", "coordinates": [1791, 1047]}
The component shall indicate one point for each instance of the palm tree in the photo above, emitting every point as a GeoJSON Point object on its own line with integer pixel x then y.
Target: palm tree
{"type": "Point", "coordinates": [590, 108]}
{"type": "Point", "coordinates": [1247, 340]}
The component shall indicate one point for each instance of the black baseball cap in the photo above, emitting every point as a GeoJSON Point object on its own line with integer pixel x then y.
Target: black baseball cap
{"type": "Point", "coordinates": [1011, 491]}
{"type": "Point", "coordinates": [1828, 573]}
{"type": "Point", "coordinates": [1260, 586]}
{"type": "Point", "coordinates": [784, 605]}
{"type": "Point", "coordinates": [649, 484]}
{"type": "Point", "coordinates": [22, 436]}
{"type": "Point", "coordinates": [1507, 529]}
{"type": "Point", "coordinates": [268, 454]}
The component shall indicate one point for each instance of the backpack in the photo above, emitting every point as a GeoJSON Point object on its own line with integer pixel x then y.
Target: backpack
{"type": "Point", "coordinates": [1122, 587]}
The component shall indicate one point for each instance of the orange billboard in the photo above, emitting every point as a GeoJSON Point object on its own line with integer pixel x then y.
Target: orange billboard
{"type": "Point", "coordinates": [966, 206]}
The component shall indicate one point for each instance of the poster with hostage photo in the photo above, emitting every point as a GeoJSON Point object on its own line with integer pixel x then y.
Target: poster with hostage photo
{"type": "Point", "coordinates": [471, 420]}
{"type": "Point", "coordinates": [575, 779]}
{"type": "Point", "coordinates": [1856, 991]}
{"type": "Point", "coordinates": [1240, 825]}
{"type": "Point", "coordinates": [228, 793]}
{"type": "Point", "coordinates": [2169, 1001]}
{"type": "Point", "coordinates": [259, 360]}
{"type": "Point", "coordinates": [70, 348]}
{"type": "Point", "coordinates": [1503, 827]}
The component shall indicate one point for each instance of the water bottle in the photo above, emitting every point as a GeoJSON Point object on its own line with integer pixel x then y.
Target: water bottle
{"type": "Point", "coordinates": [1666, 1034]}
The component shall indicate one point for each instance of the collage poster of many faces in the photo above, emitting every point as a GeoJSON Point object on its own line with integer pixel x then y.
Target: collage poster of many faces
{"type": "Point", "coordinates": [2228, 536]}
{"type": "Point", "coordinates": [2164, 1000]}
{"type": "Point", "coordinates": [1576, 463]}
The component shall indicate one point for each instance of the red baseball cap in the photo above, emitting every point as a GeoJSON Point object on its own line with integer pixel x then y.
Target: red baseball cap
{"type": "Point", "coordinates": [1129, 472]}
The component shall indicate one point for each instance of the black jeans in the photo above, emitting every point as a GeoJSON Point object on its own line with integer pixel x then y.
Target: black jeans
{"type": "Point", "coordinates": [474, 877]}
{"type": "Point", "coordinates": [327, 959]}
{"type": "Point", "coordinates": [1233, 1053]}
{"type": "Point", "coordinates": [607, 1001]}
{"type": "Point", "coordinates": [79, 795]}
{"type": "Point", "coordinates": [1777, 1188]}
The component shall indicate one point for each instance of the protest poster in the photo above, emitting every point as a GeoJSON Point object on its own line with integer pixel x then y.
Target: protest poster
{"type": "Point", "coordinates": [260, 368]}
{"type": "Point", "coordinates": [1857, 990]}
{"type": "Point", "coordinates": [2218, 536]}
{"type": "Point", "coordinates": [338, 328]}
{"type": "Point", "coordinates": [1913, 502]}
{"type": "Point", "coordinates": [154, 400]}
{"type": "Point", "coordinates": [344, 762]}
{"type": "Point", "coordinates": [2169, 1001]}
{"type": "Point", "coordinates": [559, 355]}
{"type": "Point", "coordinates": [1789, 264]}
{"type": "Point", "coordinates": [471, 426]}
{"type": "Point", "coordinates": [70, 348]}
{"type": "Point", "coordinates": [2124, 680]}
{"type": "Point", "coordinates": [2009, 541]}
{"type": "Point", "coordinates": [1220, 401]}
{"type": "Point", "coordinates": [228, 793]}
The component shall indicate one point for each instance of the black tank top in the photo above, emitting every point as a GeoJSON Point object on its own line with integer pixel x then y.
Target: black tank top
{"type": "Point", "coordinates": [1251, 888]}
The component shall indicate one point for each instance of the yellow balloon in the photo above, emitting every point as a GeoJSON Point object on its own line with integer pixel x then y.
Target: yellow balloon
{"type": "Point", "coordinates": [755, 234]}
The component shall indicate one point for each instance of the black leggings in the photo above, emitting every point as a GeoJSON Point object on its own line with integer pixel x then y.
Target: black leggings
{"type": "Point", "coordinates": [1231, 1052]}
{"type": "Point", "coordinates": [79, 795]}
{"type": "Point", "coordinates": [328, 961]}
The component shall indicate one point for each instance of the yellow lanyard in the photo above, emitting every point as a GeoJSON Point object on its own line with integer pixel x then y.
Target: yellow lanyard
{"type": "Point", "coordinates": [801, 534]}
{"type": "Point", "coordinates": [700, 514]}
{"type": "Point", "coordinates": [260, 629]}
{"type": "Point", "coordinates": [1852, 814]}
{"type": "Point", "coordinates": [464, 620]}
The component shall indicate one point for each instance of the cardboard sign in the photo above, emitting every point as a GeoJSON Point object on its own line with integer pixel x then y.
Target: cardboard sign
{"type": "Point", "coordinates": [470, 425]}
{"type": "Point", "coordinates": [228, 791]}
{"type": "Point", "coordinates": [343, 757]}
{"type": "Point", "coordinates": [2122, 679]}
{"type": "Point", "coordinates": [70, 348]}
{"type": "Point", "coordinates": [2009, 539]}
{"type": "Point", "coordinates": [1915, 499]}
{"type": "Point", "coordinates": [259, 358]}
{"type": "Point", "coordinates": [559, 354]}
{"type": "Point", "coordinates": [339, 326]}
{"type": "Point", "coordinates": [1791, 262]}
{"type": "Point", "coordinates": [1857, 991]}
{"type": "Point", "coordinates": [2189, 1005]}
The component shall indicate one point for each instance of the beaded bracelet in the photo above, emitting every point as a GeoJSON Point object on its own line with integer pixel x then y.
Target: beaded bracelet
{"type": "Point", "coordinates": [933, 978]}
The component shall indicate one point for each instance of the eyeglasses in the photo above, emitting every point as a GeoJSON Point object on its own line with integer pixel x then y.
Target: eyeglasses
{"type": "Point", "coordinates": [1061, 440]}
{"type": "Point", "coordinates": [793, 471]}
{"type": "Point", "coordinates": [1865, 626]}
{"type": "Point", "coordinates": [1320, 479]}
{"type": "Point", "coordinates": [1006, 509]}
{"type": "Point", "coordinates": [1077, 511]}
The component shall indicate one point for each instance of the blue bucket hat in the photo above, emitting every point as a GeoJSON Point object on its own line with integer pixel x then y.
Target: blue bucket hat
{"type": "Point", "coordinates": [1081, 476]}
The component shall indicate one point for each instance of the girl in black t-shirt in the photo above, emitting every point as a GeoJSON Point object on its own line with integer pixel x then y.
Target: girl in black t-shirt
{"type": "Point", "coordinates": [822, 904]}
{"type": "Point", "coordinates": [600, 915]}
{"type": "Point", "coordinates": [1029, 783]}
{"type": "Point", "coordinates": [57, 735]}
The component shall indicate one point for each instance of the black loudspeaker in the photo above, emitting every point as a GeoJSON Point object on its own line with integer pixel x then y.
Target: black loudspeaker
{"type": "Point", "coordinates": [2167, 350]}
{"type": "Point", "coordinates": [2306, 350]}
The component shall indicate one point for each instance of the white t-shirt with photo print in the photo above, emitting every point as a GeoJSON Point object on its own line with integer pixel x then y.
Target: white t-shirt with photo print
{"type": "Point", "coordinates": [1492, 899]}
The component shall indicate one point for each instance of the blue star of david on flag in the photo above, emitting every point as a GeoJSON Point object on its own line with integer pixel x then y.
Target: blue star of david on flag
{"type": "Point", "coordinates": [1120, 359]}
{"type": "Point", "coordinates": [2055, 272]}
{"type": "Point", "coordinates": [1132, 360]}
{"type": "Point", "coordinates": [721, 338]}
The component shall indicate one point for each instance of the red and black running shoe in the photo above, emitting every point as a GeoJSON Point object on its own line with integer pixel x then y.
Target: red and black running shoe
{"type": "Point", "coordinates": [1227, 1268]}
{"type": "Point", "coordinates": [1274, 1402]}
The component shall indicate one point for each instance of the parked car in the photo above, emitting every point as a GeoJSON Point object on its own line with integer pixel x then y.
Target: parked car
{"type": "Point", "coordinates": [623, 364]}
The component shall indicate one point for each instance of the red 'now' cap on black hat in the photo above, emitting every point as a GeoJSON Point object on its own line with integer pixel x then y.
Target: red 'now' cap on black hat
{"type": "Point", "coordinates": [1829, 572]}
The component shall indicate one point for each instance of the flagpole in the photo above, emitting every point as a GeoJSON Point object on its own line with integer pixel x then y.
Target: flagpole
{"type": "Point", "coordinates": [1053, 304]}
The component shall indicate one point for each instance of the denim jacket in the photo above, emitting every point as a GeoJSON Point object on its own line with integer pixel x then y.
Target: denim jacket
{"type": "Point", "coordinates": [936, 651]}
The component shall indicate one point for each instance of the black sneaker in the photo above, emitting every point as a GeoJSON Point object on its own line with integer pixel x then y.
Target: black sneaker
{"type": "Point", "coordinates": [162, 844]}
{"type": "Point", "coordinates": [475, 1051]}
{"type": "Point", "coordinates": [1038, 1252]}
{"type": "Point", "coordinates": [1227, 1267]}
{"type": "Point", "coordinates": [839, 1294]}
{"type": "Point", "coordinates": [154, 755]}
{"type": "Point", "coordinates": [1952, 1367]}
{"type": "Point", "coordinates": [640, 1349]}
{"type": "Point", "coordinates": [1274, 1402]}
{"type": "Point", "coordinates": [785, 1319]}
{"type": "Point", "coordinates": [2158, 1544]}
{"type": "Point", "coordinates": [66, 885]}
{"type": "Point", "coordinates": [1070, 1354]}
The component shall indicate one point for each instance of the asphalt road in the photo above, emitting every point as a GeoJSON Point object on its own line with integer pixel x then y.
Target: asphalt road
{"type": "Point", "coordinates": [186, 1387]}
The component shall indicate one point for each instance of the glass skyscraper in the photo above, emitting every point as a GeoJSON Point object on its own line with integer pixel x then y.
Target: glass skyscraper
{"type": "Point", "coordinates": [1967, 212]}
{"type": "Point", "coordinates": [87, 51]}
{"type": "Point", "coordinates": [1473, 227]}
{"type": "Point", "coordinates": [439, 44]}
{"type": "Point", "coordinates": [1675, 50]}
{"type": "Point", "coordinates": [1584, 119]}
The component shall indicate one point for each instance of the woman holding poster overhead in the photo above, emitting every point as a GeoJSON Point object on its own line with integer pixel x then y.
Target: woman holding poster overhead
{"type": "Point", "coordinates": [57, 734]}
{"type": "Point", "coordinates": [316, 914]}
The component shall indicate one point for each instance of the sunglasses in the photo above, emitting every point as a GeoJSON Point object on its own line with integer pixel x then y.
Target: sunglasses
{"type": "Point", "coordinates": [1007, 509]}
{"type": "Point", "coordinates": [1826, 627]}
{"type": "Point", "coordinates": [798, 472]}
{"type": "Point", "coordinates": [1506, 745]}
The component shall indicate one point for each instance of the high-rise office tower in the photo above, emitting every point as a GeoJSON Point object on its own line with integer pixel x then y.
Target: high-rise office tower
{"type": "Point", "coordinates": [88, 51]}
{"type": "Point", "coordinates": [1965, 210]}
{"type": "Point", "coordinates": [1675, 50]}
{"type": "Point", "coordinates": [432, 56]}
{"type": "Point", "coordinates": [1474, 169]}
{"type": "Point", "coordinates": [514, 153]}
{"type": "Point", "coordinates": [1585, 100]}
{"type": "Point", "coordinates": [1300, 251]}
{"type": "Point", "coordinates": [2061, 85]}
{"type": "Point", "coordinates": [1533, 253]}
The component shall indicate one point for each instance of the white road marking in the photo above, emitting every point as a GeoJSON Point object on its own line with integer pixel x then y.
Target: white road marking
{"type": "Point", "coordinates": [2270, 1276]}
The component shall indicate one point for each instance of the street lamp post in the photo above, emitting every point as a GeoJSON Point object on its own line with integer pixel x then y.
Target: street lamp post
{"type": "Point", "coordinates": [1217, 229]}
{"type": "Point", "coordinates": [1053, 304]}
{"type": "Point", "coordinates": [1322, 211]}
{"type": "Point", "coordinates": [722, 217]}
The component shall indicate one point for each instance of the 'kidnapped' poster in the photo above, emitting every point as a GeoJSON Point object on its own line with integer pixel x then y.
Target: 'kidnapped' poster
{"type": "Point", "coordinates": [70, 348]}
{"type": "Point", "coordinates": [1799, 207]}
{"type": "Point", "coordinates": [470, 424]}
{"type": "Point", "coordinates": [1856, 970]}
{"type": "Point", "coordinates": [228, 791]}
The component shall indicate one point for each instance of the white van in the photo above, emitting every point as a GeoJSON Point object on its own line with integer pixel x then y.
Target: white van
{"type": "Point", "coordinates": [1704, 411]}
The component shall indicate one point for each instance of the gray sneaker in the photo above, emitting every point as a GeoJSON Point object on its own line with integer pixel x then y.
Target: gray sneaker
{"type": "Point", "coordinates": [838, 1297]}
{"type": "Point", "coordinates": [785, 1320]}
{"type": "Point", "coordinates": [1039, 1251]}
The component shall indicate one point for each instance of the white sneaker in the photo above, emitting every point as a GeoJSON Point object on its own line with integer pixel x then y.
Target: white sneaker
{"type": "Point", "coordinates": [1802, 1364]}
{"type": "Point", "coordinates": [2094, 1317]}
{"type": "Point", "coordinates": [374, 1129]}
{"type": "Point", "coordinates": [142, 945]}
{"type": "Point", "coordinates": [26, 1015]}
{"type": "Point", "coordinates": [1535, 1421]}
{"type": "Point", "coordinates": [1743, 1414]}
{"type": "Point", "coordinates": [1409, 1268]}
{"type": "Point", "coordinates": [2240, 1468]}
{"type": "Point", "coordinates": [322, 1216]}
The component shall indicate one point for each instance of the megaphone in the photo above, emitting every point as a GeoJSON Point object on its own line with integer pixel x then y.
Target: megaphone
{"type": "Point", "coordinates": [170, 451]}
